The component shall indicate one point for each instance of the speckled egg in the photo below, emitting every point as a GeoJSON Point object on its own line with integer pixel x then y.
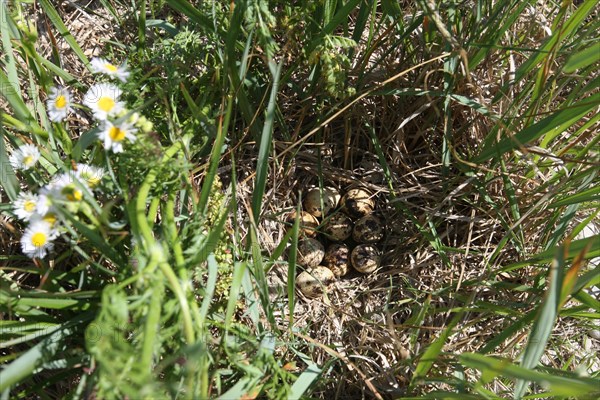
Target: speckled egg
{"type": "Point", "coordinates": [337, 259]}
{"type": "Point", "coordinates": [358, 202]}
{"type": "Point", "coordinates": [308, 223]}
{"type": "Point", "coordinates": [338, 227]}
{"type": "Point", "coordinates": [368, 229]}
{"type": "Point", "coordinates": [312, 201]}
{"type": "Point", "coordinates": [310, 252]}
{"type": "Point", "coordinates": [315, 282]}
{"type": "Point", "coordinates": [365, 258]}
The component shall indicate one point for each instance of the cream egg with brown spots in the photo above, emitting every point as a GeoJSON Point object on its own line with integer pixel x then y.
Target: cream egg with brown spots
{"type": "Point", "coordinates": [368, 229]}
{"type": "Point", "coordinates": [338, 227]}
{"type": "Point", "coordinates": [329, 198]}
{"type": "Point", "coordinates": [308, 223]}
{"type": "Point", "coordinates": [337, 259]}
{"type": "Point", "coordinates": [316, 282]}
{"type": "Point", "coordinates": [310, 252]}
{"type": "Point", "coordinates": [365, 258]}
{"type": "Point", "coordinates": [358, 202]}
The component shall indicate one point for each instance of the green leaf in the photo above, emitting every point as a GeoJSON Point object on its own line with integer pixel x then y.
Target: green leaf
{"type": "Point", "coordinates": [583, 58]}
{"type": "Point", "coordinates": [560, 386]}
{"type": "Point", "coordinates": [574, 249]}
{"type": "Point", "coordinates": [304, 381]}
{"type": "Point", "coordinates": [433, 351]}
{"type": "Point", "coordinates": [41, 353]}
{"type": "Point", "coordinates": [166, 26]}
{"type": "Point", "coordinates": [544, 321]}
{"type": "Point", "coordinates": [265, 143]}
{"type": "Point", "coordinates": [53, 15]}
{"type": "Point", "coordinates": [8, 179]}
{"type": "Point", "coordinates": [194, 14]}
{"type": "Point", "coordinates": [590, 195]}
{"type": "Point", "coordinates": [559, 120]}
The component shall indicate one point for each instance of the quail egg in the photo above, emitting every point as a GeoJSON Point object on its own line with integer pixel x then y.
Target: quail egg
{"type": "Point", "coordinates": [315, 282]}
{"type": "Point", "coordinates": [365, 258]}
{"type": "Point", "coordinates": [310, 252]}
{"type": "Point", "coordinates": [312, 201]}
{"type": "Point", "coordinates": [308, 223]}
{"type": "Point", "coordinates": [337, 259]}
{"type": "Point", "coordinates": [338, 227]}
{"type": "Point", "coordinates": [368, 229]}
{"type": "Point", "coordinates": [358, 202]}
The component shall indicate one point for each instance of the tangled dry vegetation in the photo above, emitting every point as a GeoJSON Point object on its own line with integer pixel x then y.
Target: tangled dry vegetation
{"type": "Point", "coordinates": [440, 230]}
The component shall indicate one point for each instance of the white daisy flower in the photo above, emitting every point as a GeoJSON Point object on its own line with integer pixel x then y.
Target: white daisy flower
{"type": "Point", "coordinates": [44, 203]}
{"type": "Point", "coordinates": [90, 174]}
{"type": "Point", "coordinates": [50, 218]}
{"type": "Point", "coordinates": [114, 135]}
{"type": "Point", "coordinates": [59, 104]}
{"type": "Point", "coordinates": [103, 100]}
{"type": "Point", "coordinates": [65, 187]}
{"type": "Point", "coordinates": [100, 65]}
{"type": "Point", "coordinates": [37, 239]}
{"type": "Point", "coordinates": [25, 157]}
{"type": "Point", "coordinates": [25, 206]}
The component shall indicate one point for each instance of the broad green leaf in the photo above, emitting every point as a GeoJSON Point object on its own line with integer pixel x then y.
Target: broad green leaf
{"type": "Point", "coordinates": [304, 381]}
{"type": "Point", "coordinates": [166, 26]}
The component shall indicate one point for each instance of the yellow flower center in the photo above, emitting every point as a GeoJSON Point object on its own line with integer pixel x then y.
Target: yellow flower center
{"type": "Point", "coordinates": [72, 193]}
{"type": "Point", "coordinates": [60, 102]}
{"type": "Point", "coordinates": [91, 180]}
{"type": "Point", "coordinates": [106, 104]}
{"type": "Point", "coordinates": [50, 218]}
{"type": "Point", "coordinates": [116, 134]}
{"type": "Point", "coordinates": [29, 206]}
{"type": "Point", "coordinates": [27, 160]}
{"type": "Point", "coordinates": [110, 67]}
{"type": "Point", "coordinates": [39, 239]}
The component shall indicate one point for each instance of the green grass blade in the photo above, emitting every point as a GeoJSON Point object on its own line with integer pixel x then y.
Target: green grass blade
{"type": "Point", "coordinates": [291, 278]}
{"type": "Point", "coordinates": [560, 386]}
{"type": "Point", "coordinates": [559, 120]}
{"type": "Point", "coordinates": [589, 195]}
{"type": "Point", "coordinates": [39, 354]}
{"type": "Point", "coordinates": [186, 8]}
{"type": "Point", "coordinates": [340, 17]}
{"type": "Point", "coordinates": [239, 269]}
{"type": "Point", "coordinates": [8, 179]}
{"type": "Point", "coordinates": [265, 143]}
{"type": "Point", "coordinates": [433, 351]}
{"type": "Point", "coordinates": [209, 288]}
{"type": "Point", "coordinates": [304, 381]}
{"type": "Point", "coordinates": [64, 32]}
{"type": "Point", "coordinates": [544, 321]}
{"type": "Point", "coordinates": [6, 27]}
{"type": "Point", "coordinates": [574, 249]}
{"type": "Point", "coordinates": [13, 97]}
{"type": "Point", "coordinates": [508, 332]}
{"type": "Point", "coordinates": [98, 241]}
{"type": "Point", "coordinates": [582, 59]}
